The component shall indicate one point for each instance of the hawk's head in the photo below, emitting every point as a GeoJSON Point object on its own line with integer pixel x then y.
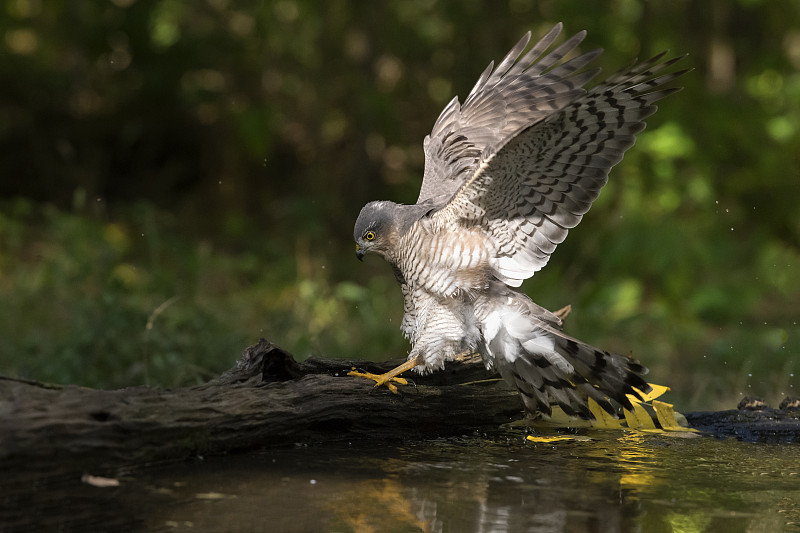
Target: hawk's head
{"type": "Point", "coordinates": [380, 225]}
{"type": "Point", "coordinates": [375, 229]}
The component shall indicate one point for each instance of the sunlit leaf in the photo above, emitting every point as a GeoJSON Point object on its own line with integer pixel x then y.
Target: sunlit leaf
{"type": "Point", "coordinates": [666, 417]}
{"type": "Point", "coordinates": [639, 418]}
{"type": "Point", "coordinates": [657, 390]}
{"type": "Point", "coordinates": [603, 420]}
{"type": "Point", "coordinates": [560, 419]}
{"type": "Point", "coordinates": [556, 438]}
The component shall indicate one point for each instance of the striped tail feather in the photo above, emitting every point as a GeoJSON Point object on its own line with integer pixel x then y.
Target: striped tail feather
{"type": "Point", "coordinates": [550, 368]}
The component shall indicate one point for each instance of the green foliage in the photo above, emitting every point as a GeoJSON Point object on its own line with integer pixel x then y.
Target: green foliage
{"type": "Point", "coordinates": [130, 301]}
{"type": "Point", "coordinates": [180, 178]}
{"type": "Point", "coordinates": [77, 295]}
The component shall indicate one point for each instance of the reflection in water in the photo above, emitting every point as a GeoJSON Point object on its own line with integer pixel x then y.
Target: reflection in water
{"type": "Point", "coordinates": [371, 505]}
{"type": "Point", "coordinates": [616, 481]}
{"type": "Point", "coordinates": [612, 482]}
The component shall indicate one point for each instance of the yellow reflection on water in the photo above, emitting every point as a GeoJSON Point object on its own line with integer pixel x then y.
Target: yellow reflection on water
{"type": "Point", "coordinates": [373, 505]}
{"type": "Point", "coordinates": [688, 523]}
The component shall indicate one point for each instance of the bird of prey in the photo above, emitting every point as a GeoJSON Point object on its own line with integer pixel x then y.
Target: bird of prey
{"type": "Point", "coordinates": [507, 174]}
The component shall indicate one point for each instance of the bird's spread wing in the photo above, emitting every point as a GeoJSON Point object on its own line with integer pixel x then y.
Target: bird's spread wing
{"type": "Point", "coordinates": [529, 191]}
{"type": "Point", "coordinates": [519, 92]}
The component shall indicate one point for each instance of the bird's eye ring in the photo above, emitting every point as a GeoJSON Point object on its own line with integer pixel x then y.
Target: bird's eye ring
{"type": "Point", "coordinates": [369, 236]}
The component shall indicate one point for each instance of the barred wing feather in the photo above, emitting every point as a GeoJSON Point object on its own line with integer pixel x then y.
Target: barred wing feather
{"type": "Point", "coordinates": [529, 192]}
{"type": "Point", "coordinates": [522, 90]}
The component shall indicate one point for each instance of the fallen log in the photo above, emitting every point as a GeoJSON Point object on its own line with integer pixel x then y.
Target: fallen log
{"type": "Point", "coordinates": [269, 399]}
{"type": "Point", "coordinates": [752, 425]}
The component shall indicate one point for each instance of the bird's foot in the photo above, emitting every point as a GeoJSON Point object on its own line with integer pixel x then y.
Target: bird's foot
{"type": "Point", "coordinates": [389, 377]}
{"type": "Point", "coordinates": [380, 379]}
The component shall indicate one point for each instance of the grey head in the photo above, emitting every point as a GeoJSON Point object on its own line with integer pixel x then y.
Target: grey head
{"type": "Point", "coordinates": [381, 224]}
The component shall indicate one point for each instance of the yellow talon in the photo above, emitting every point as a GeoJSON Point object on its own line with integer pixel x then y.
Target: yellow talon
{"type": "Point", "coordinates": [388, 377]}
{"type": "Point", "coordinates": [380, 379]}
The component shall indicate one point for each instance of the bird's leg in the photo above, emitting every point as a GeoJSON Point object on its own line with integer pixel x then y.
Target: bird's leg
{"type": "Point", "coordinates": [563, 312]}
{"type": "Point", "coordinates": [388, 377]}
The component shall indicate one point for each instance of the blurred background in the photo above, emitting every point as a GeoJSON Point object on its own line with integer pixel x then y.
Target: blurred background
{"type": "Point", "coordinates": [179, 178]}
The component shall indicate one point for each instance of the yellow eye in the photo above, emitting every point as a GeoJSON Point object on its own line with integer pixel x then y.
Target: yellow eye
{"type": "Point", "coordinates": [369, 236]}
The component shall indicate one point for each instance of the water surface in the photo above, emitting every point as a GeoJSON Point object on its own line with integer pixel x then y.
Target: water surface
{"type": "Point", "coordinates": [607, 481]}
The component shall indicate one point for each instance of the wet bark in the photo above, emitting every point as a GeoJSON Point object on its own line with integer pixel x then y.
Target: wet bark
{"type": "Point", "coordinates": [752, 425]}
{"type": "Point", "coordinates": [269, 399]}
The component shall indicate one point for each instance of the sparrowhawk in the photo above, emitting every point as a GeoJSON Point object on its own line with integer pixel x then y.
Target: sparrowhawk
{"type": "Point", "coordinates": [507, 174]}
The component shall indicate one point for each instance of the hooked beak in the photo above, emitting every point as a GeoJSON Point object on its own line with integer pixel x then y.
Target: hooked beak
{"type": "Point", "coordinates": [359, 253]}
